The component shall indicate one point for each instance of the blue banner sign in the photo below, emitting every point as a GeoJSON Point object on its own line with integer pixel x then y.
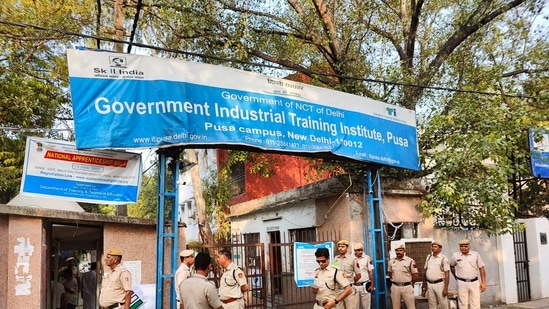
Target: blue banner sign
{"type": "Point", "coordinates": [125, 101]}
{"type": "Point", "coordinates": [57, 168]}
{"type": "Point", "coordinates": [539, 147]}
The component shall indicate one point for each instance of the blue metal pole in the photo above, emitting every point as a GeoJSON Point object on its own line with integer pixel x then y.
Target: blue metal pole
{"type": "Point", "coordinates": [163, 196]}
{"type": "Point", "coordinates": [160, 228]}
{"type": "Point", "coordinates": [375, 230]}
{"type": "Point", "coordinates": [175, 231]}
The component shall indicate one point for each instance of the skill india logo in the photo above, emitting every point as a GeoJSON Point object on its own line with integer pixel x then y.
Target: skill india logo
{"type": "Point", "coordinates": [118, 62]}
{"type": "Point", "coordinates": [391, 111]}
{"type": "Point", "coordinates": [119, 66]}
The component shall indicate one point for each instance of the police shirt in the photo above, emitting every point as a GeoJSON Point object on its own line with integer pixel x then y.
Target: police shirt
{"type": "Point", "coordinates": [347, 266]}
{"type": "Point", "coordinates": [114, 286]}
{"type": "Point", "coordinates": [466, 266]}
{"type": "Point", "coordinates": [436, 266]}
{"type": "Point", "coordinates": [183, 272]}
{"type": "Point", "coordinates": [364, 264]}
{"type": "Point", "coordinates": [231, 281]}
{"type": "Point", "coordinates": [197, 292]}
{"type": "Point", "coordinates": [402, 270]}
{"type": "Point", "coordinates": [328, 287]}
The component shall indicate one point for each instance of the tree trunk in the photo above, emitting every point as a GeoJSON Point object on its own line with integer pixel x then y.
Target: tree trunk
{"type": "Point", "coordinates": [203, 224]}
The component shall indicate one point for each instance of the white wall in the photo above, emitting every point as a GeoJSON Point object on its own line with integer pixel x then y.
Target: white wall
{"type": "Point", "coordinates": [297, 216]}
{"type": "Point", "coordinates": [507, 271]}
{"type": "Point", "coordinates": [538, 255]}
{"type": "Point", "coordinates": [489, 250]}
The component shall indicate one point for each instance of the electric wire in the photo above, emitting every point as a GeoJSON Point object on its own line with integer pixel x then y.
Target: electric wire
{"type": "Point", "coordinates": [264, 65]}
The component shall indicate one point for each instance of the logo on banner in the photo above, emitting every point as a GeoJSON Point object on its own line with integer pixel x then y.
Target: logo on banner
{"type": "Point", "coordinates": [118, 62]}
{"type": "Point", "coordinates": [118, 69]}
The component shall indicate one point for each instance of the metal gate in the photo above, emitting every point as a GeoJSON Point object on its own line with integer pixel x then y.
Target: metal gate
{"type": "Point", "coordinates": [284, 293]}
{"type": "Point", "coordinates": [521, 266]}
{"type": "Point", "coordinates": [248, 255]}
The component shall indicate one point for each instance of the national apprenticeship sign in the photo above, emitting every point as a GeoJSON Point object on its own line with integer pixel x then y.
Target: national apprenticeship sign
{"type": "Point", "coordinates": [123, 101]}
{"type": "Point", "coordinates": [57, 168]}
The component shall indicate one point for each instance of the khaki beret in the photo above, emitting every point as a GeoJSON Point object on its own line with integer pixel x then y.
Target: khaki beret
{"type": "Point", "coordinates": [343, 242]}
{"type": "Point", "coordinates": [464, 242]}
{"type": "Point", "coordinates": [436, 242]}
{"type": "Point", "coordinates": [400, 246]}
{"type": "Point", "coordinates": [358, 246]}
{"type": "Point", "coordinates": [186, 253]}
{"type": "Point", "coordinates": [115, 251]}
{"type": "Point", "coordinates": [69, 259]}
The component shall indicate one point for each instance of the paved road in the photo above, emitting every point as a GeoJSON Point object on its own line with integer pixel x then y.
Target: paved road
{"type": "Point", "coordinates": [534, 304]}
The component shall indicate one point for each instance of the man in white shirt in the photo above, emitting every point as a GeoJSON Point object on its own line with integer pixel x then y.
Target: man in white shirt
{"type": "Point", "coordinates": [184, 270]}
{"type": "Point", "coordinates": [364, 277]}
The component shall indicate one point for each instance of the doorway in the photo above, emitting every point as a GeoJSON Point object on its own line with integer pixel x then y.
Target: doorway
{"type": "Point", "coordinates": [83, 243]}
{"type": "Point", "coordinates": [522, 266]}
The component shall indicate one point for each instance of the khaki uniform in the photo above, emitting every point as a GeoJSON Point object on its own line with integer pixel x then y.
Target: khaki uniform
{"type": "Point", "coordinates": [229, 287]}
{"type": "Point", "coordinates": [347, 265]}
{"type": "Point", "coordinates": [329, 287]}
{"type": "Point", "coordinates": [114, 286]}
{"type": "Point", "coordinates": [402, 287]}
{"type": "Point", "coordinates": [183, 272]}
{"type": "Point", "coordinates": [468, 278]}
{"type": "Point", "coordinates": [435, 267]}
{"type": "Point", "coordinates": [364, 264]}
{"type": "Point", "coordinates": [197, 292]}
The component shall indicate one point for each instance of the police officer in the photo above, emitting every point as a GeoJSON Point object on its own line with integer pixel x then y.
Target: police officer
{"type": "Point", "coordinates": [116, 287]}
{"type": "Point", "coordinates": [346, 263]}
{"type": "Point", "coordinates": [233, 282]}
{"type": "Point", "coordinates": [328, 283]}
{"type": "Point", "coordinates": [466, 266]}
{"type": "Point", "coordinates": [364, 276]}
{"type": "Point", "coordinates": [437, 277]}
{"type": "Point", "coordinates": [197, 292]}
{"type": "Point", "coordinates": [403, 273]}
{"type": "Point", "coordinates": [184, 270]}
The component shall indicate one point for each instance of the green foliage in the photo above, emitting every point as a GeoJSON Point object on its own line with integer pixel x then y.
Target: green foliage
{"type": "Point", "coordinates": [147, 204]}
{"type": "Point", "coordinates": [218, 190]}
{"type": "Point", "coordinates": [257, 163]}
{"type": "Point", "coordinates": [33, 77]}
{"type": "Point", "coordinates": [106, 209]}
{"type": "Point", "coordinates": [471, 144]}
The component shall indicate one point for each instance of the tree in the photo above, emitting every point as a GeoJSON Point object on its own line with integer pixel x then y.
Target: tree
{"type": "Point", "coordinates": [475, 72]}
{"type": "Point", "coordinates": [394, 51]}
{"type": "Point", "coordinates": [202, 214]}
{"type": "Point", "coordinates": [33, 90]}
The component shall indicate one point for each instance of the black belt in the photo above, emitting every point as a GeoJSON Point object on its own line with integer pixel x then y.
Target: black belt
{"type": "Point", "coordinates": [321, 303]}
{"type": "Point", "coordinates": [402, 284]}
{"type": "Point", "coordinates": [436, 281]}
{"type": "Point", "coordinates": [360, 283]}
{"type": "Point", "coordinates": [115, 305]}
{"type": "Point", "coordinates": [468, 280]}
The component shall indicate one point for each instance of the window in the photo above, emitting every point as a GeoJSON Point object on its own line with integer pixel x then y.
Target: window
{"type": "Point", "coordinates": [238, 179]}
{"type": "Point", "coordinates": [252, 254]}
{"type": "Point", "coordinates": [303, 235]}
{"type": "Point", "coordinates": [399, 230]}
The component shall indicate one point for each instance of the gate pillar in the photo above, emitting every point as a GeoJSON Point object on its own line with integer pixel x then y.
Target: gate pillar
{"type": "Point", "coordinates": [376, 237]}
{"type": "Point", "coordinates": [168, 158]}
